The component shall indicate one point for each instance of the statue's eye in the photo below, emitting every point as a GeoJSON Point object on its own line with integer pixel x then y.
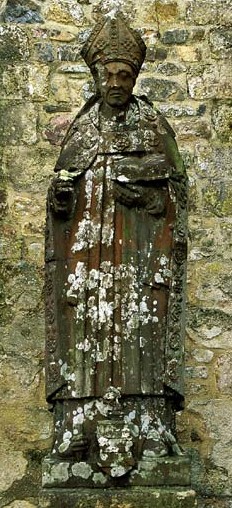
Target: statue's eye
{"type": "Point", "coordinates": [124, 75]}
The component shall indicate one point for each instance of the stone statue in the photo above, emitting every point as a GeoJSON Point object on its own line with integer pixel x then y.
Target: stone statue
{"type": "Point", "coordinates": [115, 276]}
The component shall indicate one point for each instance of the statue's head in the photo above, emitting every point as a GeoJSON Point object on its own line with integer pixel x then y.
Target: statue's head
{"type": "Point", "coordinates": [115, 82]}
{"type": "Point", "coordinates": [114, 53]}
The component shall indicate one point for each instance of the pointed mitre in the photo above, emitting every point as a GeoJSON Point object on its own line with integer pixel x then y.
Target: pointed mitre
{"type": "Point", "coordinates": [113, 40]}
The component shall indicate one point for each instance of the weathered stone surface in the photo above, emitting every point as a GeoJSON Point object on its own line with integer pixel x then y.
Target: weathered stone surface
{"type": "Point", "coordinates": [211, 161]}
{"type": "Point", "coordinates": [161, 89]}
{"type": "Point", "coordinates": [37, 164]}
{"type": "Point", "coordinates": [179, 110]}
{"type": "Point", "coordinates": [219, 429]}
{"type": "Point", "coordinates": [59, 88]}
{"type": "Point", "coordinates": [18, 124]}
{"type": "Point", "coordinates": [13, 467]}
{"type": "Point", "coordinates": [45, 51]}
{"type": "Point", "coordinates": [222, 120]}
{"type": "Point", "coordinates": [13, 43]}
{"type": "Point", "coordinates": [187, 129]}
{"type": "Point", "coordinates": [224, 374]}
{"type": "Point", "coordinates": [24, 81]}
{"type": "Point", "coordinates": [21, 504]}
{"type": "Point", "coordinates": [167, 10]}
{"type": "Point", "coordinates": [211, 81]}
{"type": "Point", "coordinates": [170, 68]}
{"type": "Point", "coordinates": [135, 498]}
{"type": "Point", "coordinates": [203, 12]}
{"type": "Point", "coordinates": [155, 53]}
{"type": "Point", "coordinates": [221, 43]}
{"type": "Point", "coordinates": [22, 12]}
{"type": "Point", "coordinates": [175, 36]}
{"type": "Point", "coordinates": [66, 11]}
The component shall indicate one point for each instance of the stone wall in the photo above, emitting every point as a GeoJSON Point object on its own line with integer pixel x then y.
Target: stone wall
{"type": "Point", "coordinates": [43, 83]}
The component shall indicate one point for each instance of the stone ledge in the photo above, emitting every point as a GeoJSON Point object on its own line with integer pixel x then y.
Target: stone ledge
{"type": "Point", "coordinates": [133, 497]}
{"type": "Point", "coordinates": [164, 472]}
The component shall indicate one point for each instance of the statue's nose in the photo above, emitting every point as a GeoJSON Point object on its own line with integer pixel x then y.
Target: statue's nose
{"type": "Point", "coordinates": [115, 81]}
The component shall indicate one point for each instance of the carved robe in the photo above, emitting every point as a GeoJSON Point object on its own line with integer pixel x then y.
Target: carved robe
{"type": "Point", "coordinates": [116, 264]}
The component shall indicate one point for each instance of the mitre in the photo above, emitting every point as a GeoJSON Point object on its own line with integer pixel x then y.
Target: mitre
{"type": "Point", "coordinates": [112, 41]}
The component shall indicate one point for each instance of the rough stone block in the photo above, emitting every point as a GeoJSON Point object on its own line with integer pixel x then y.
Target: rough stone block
{"type": "Point", "coordinates": [59, 88]}
{"type": "Point", "coordinates": [160, 89]}
{"type": "Point", "coordinates": [167, 10]}
{"type": "Point", "coordinates": [171, 68]}
{"type": "Point", "coordinates": [168, 471]}
{"type": "Point", "coordinates": [177, 110]}
{"type": "Point", "coordinates": [155, 53]}
{"type": "Point", "coordinates": [221, 43]}
{"type": "Point", "coordinates": [222, 120]}
{"type": "Point", "coordinates": [64, 11]}
{"type": "Point", "coordinates": [18, 124]}
{"type": "Point", "coordinates": [224, 374]}
{"type": "Point", "coordinates": [217, 416]}
{"type": "Point", "coordinates": [18, 81]}
{"type": "Point", "coordinates": [196, 128]}
{"type": "Point", "coordinates": [13, 467]}
{"type": "Point", "coordinates": [22, 12]}
{"type": "Point", "coordinates": [31, 170]}
{"type": "Point", "coordinates": [211, 82]}
{"type": "Point", "coordinates": [203, 12]}
{"type": "Point", "coordinates": [68, 52]}
{"type": "Point", "coordinates": [213, 161]}
{"type": "Point", "coordinates": [120, 498]}
{"type": "Point", "coordinates": [44, 51]}
{"type": "Point", "coordinates": [13, 43]}
{"type": "Point", "coordinates": [175, 36]}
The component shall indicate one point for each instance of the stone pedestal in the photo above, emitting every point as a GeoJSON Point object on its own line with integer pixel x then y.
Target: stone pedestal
{"type": "Point", "coordinates": [163, 471]}
{"type": "Point", "coordinates": [132, 497]}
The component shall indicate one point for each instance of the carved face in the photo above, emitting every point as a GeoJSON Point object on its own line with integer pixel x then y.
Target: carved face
{"type": "Point", "coordinates": [115, 81]}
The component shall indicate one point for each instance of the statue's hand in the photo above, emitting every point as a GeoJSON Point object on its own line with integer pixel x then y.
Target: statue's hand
{"type": "Point", "coordinates": [62, 195]}
{"type": "Point", "coordinates": [147, 168]}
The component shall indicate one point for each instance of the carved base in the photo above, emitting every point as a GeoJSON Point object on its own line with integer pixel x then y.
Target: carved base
{"type": "Point", "coordinates": [135, 497]}
{"type": "Point", "coordinates": [167, 471]}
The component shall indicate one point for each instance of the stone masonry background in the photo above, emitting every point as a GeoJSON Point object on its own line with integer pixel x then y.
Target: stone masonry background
{"type": "Point", "coordinates": [43, 83]}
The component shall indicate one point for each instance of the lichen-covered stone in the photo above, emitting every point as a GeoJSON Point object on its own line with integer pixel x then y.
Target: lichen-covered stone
{"type": "Point", "coordinates": [203, 12]}
{"type": "Point", "coordinates": [171, 68]}
{"type": "Point", "coordinates": [31, 170]}
{"type": "Point", "coordinates": [222, 120]}
{"type": "Point", "coordinates": [13, 467]}
{"type": "Point", "coordinates": [175, 36]}
{"type": "Point", "coordinates": [221, 43]}
{"type": "Point", "coordinates": [210, 82]}
{"type": "Point", "coordinates": [121, 498]}
{"type": "Point", "coordinates": [160, 89]}
{"type": "Point", "coordinates": [13, 43]}
{"type": "Point", "coordinates": [20, 81]}
{"type": "Point", "coordinates": [18, 124]}
{"type": "Point", "coordinates": [22, 12]}
{"type": "Point", "coordinates": [21, 504]}
{"type": "Point", "coordinates": [66, 11]}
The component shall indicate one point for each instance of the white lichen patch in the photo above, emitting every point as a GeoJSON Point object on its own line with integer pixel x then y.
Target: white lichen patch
{"type": "Point", "coordinates": [59, 472]}
{"type": "Point", "coordinates": [99, 478]}
{"type": "Point", "coordinates": [117, 471]}
{"type": "Point", "coordinates": [158, 278]}
{"type": "Point", "coordinates": [82, 469]}
{"type": "Point", "coordinates": [88, 233]}
{"type": "Point", "coordinates": [66, 372]}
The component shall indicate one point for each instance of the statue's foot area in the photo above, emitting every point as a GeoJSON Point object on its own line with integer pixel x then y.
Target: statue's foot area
{"type": "Point", "coordinates": [102, 441]}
